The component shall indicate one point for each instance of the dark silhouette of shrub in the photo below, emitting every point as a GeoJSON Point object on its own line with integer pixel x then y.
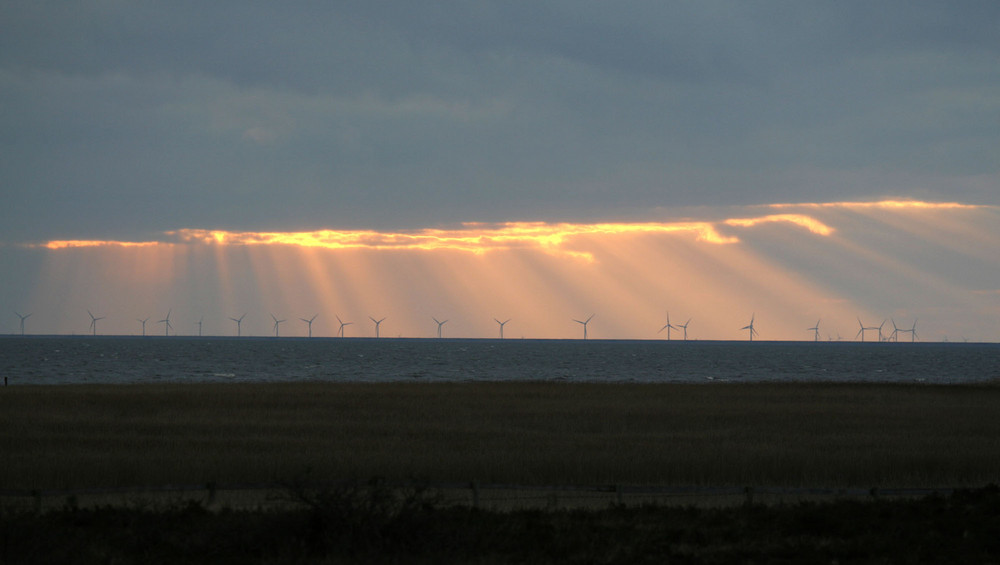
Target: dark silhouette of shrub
{"type": "Point", "coordinates": [372, 522]}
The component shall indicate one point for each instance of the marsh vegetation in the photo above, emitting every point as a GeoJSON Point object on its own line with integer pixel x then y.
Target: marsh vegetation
{"type": "Point", "coordinates": [358, 524]}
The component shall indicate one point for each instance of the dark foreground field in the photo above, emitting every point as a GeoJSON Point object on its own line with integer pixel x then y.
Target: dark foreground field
{"type": "Point", "coordinates": [359, 525]}
{"type": "Point", "coordinates": [812, 435]}
{"type": "Point", "coordinates": [73, 438]}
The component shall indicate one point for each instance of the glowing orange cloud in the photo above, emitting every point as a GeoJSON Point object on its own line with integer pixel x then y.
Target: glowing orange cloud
{"type": "Point", "coordinates": [64, 244]}
{"type": "Point", "coordinates": [472, 237]}
{"type": "Point", "coordinates": [478, 238]}
{"type": "Point", "coordinates": [885, 204]}
{"type": "Point", "coordinates": [811, 224]}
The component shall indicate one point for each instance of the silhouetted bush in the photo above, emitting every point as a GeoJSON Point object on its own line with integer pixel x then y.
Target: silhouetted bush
{"type": "Point", "coordinates": [355, 516]}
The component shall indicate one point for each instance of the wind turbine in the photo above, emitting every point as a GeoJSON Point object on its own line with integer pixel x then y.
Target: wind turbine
{"type": "Point", "coordinates": [93, 322]}
{"type": "Point", "coordinates": [753, 331]}
{"type": "Point", "coordinates": [861, 332]}
{"type": "Point", "coordinates": [894, 336]}
{"type": "Point", "coordinates": [166, 323]}
{"type": "Point", "coordinates": [277, 323]}
{"type": "Point", "coordinates": [23, 318]}
{"type": "Point", "coordinates": [310, 322]}
{"type": "Point", "coordinates": [143, 322]}
{"type": "Point", "coordinates": [377, 324]}
{"type": "Point", "coordinates": [881, 338]}
{"type": "Point", "coordinates": [239, 323]}
{"type": "Point", "coordinates": [502, 324]}
{"type": "Point", "coordinates": [584, 324]}
{"type": "Point", "coordinates": [685, 327]}
{"type": "Point", "coordinates": [439, 323]}
{"type": "Point", "coordinates": [815, 330]}
{"type": "Point", "coordinates": [343, 323]}
{"type": "Point", "coordinates": [199, 325]}
{"type": "Point", "coordinates": [667, 327]}
{"type": "Point", "coordinates": [912, 331]}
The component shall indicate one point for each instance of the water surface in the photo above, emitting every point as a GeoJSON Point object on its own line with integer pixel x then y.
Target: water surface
{"type": "Point", "coordinates": [65, 360]}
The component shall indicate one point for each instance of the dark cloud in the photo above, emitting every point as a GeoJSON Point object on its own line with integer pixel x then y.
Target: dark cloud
{"type": "Point", "coordinates": [120, 118]}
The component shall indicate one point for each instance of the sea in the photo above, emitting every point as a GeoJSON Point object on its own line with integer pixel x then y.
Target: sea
{"type": "Point", "coordinates": [57, 360]}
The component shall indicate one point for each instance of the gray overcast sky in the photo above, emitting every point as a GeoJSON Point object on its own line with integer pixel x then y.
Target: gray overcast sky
{"type": "Point", "coordinates": [121, 119]}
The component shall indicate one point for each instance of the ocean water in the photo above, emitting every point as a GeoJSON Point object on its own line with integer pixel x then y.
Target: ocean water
{"type": "Point", "coordinates": [52, 360]}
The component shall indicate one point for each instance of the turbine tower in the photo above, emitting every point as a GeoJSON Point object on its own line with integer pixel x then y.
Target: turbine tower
{"type": "Point", "coordinates": [668, 327]}
{"type": "Point", "coordinates": [439, 325]}
{"type": "Point", "coordinates": [684, 326]}
{"type": "Point", "coordinates": [377, 324]}
{"type": "Point", "coordinates": [815, 330]}
{"type": "Point", "coordinates": [502, 324]}
{"type": "Point", "coordinates": [584, 324]}
{"type": "Point", "coordinates": [143, 322]}
{"type": "Point", "coordinates": [200, 320]}
{"type": "Point", "coordinates": [93, 322]}
{"type": "Point", "coordinates": [277, 323]}
{"type": "Point", "coordinates": [343, 323]}
{"type": "Point", "coordinates": [166, 323]}
{"type": "Point", "coordinates": [753, 331]}
{"type": "Point", "coordinates": [23, 318]}
{"type": "Point", "coordinates": [239, 323]}
{"type": "Point", "coordinates": [310, 322]}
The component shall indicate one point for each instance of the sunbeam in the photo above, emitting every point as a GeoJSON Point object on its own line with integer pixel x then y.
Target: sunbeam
{"type": "Point", "coordinates": [835, 261]}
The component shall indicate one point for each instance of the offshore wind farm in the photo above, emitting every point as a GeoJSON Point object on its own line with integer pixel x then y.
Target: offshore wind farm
{"type": "Point", "coordinates": [750, 328]}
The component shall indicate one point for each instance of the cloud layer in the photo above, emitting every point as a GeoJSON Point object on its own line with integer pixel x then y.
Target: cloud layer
{"type": "Point", "coordinates": [122, 120]}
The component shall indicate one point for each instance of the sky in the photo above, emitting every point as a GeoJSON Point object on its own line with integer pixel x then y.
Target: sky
{"type": "Point", "coordinates": [478, 161]}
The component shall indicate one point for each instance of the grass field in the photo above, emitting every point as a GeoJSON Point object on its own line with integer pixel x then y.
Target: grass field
{"type": "Point", "coordinates": [66, 437]}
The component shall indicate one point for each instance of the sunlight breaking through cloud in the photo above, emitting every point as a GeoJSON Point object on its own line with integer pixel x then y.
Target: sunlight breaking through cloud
{"type": "Point", "coordinates": [811, 224]}
{"type": "Point", "coordinates": [836, 262]}
{"type": "Point", "coordinates": [64, 244]}
{"type": "Point", "coordinates": [883, 204]}
{"type": "Point", "coordinates": [474, 238]}
{"type": "Point", "coordinates": [478, 238]}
